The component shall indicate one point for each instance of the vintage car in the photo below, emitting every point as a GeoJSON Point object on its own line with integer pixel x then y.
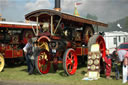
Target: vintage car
{"type": "Point", "coordinates": [63, 38]}
{"type": "Point", "coordinates": [123, 46]}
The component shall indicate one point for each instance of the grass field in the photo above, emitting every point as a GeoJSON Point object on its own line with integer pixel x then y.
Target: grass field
{"type": "Point", "coordinates": [19, 73]}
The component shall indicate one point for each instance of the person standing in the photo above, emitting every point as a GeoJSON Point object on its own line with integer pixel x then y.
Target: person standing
{"type": "Point", "coordinates": [108, 65]}
{"type": "Point", "coordinates": [125, 68]}
{"type": "Point", "coordinates": [28, 53]}
{"type": "Point", "coordinates": [123, 58]}
{"type": "Point", "coordinates": [116, 64]}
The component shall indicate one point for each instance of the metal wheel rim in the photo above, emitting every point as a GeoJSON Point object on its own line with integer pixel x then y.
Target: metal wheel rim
{"type": "Point", "coordinates": [44, 62]}
{"type": "Point", "coordinates": [71, 62]}
{"type": "Point", "coordinates": [101, 43]}
{"type": "Point", "coordinates": [1, 63]}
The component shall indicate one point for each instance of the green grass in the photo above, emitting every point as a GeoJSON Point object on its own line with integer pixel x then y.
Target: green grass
{"type": "Point", "coordinates": [19, 74]}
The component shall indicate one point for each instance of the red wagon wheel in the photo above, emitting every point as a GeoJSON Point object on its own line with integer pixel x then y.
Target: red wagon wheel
{"type": "Point", "coordinates": [99, 40]}
{"type": "Point", "coordinates": [2, 63]}
{"type": "Point", "coordinates": [43, 62]}
{"type": "Point", "coordinates": [70, 61]}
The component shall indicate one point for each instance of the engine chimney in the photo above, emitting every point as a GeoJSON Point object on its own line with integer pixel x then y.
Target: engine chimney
{"type": "Point", "coordinates": [57, 5]}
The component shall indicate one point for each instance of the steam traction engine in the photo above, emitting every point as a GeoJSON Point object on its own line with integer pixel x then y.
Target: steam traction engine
{"type": "Point", "coordinates": [13, 37]}
{"type": "Point", "coordinates": [62, 38]}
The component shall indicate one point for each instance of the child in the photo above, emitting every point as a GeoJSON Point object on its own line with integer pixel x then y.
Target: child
{"type": "Point", "coordinates": [116, 63]}
{"type": "Point", "coordinates": [108, 65]}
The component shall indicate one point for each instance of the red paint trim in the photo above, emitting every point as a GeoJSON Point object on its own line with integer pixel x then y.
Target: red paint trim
{"type": "Point", "coordinates": [101, 42]}
{"type": "Point", "coordinates": [17, 53]}
{"type": "Point", "coordinates": [44, 37]}
{"type": "Point", "coordinates": [8, 54]}
{"type": "Point", "coordinates": [17, 26]}
{"type": "Point", "coordinates": [13, 53]}
{"type": "Point", "coordinates": [55, 37]}
{"type": "Point", "coordinates": [85, 51]}
{"type": "Point", "coordinates": [78, 51]}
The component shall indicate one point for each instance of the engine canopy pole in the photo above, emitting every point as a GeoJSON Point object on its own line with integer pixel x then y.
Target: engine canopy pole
{"type": "Point", "coordinates": [51, 25]}
{"type": "Point", "coordinates": [37, 28]}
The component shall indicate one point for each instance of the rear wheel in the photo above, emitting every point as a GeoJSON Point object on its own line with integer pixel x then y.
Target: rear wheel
{"type": "Point", "coordinates": [43, 61]}
{"type": "Point", "coordinates": [2, 63]}
{"type": "Point", "coordinates": [70, 61]}
{"type": "Point", "coordinates": [98, 39]}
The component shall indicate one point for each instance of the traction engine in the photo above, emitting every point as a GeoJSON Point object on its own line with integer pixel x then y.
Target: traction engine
{"type": "Point", "coordinates": [13, 37]}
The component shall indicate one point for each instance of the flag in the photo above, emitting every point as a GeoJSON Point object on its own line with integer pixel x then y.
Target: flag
{"type": "Point", "coordinates": [78, 3]}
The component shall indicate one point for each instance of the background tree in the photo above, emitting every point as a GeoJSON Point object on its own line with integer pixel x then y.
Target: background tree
{"type": "Point", "coordinates": [126, 25]}
{"type": "Point", "coordinates": [90, 16]}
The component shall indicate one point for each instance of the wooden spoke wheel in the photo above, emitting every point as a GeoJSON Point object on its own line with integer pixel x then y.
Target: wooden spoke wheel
{"type": "Point", "coordinates": [43, 61]}
{"type": "Point", "coordinates": [70, 61]}
{"type": "Point", "coordinates": [99, 40]}
{"type": "Point", "coordinates": [2, 63]}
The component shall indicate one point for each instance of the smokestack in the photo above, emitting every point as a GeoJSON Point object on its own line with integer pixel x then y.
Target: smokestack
{"type": "Point", "coordinates": [57, 5]}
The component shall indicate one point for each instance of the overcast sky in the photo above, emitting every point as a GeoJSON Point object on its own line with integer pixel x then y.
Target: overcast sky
{"type": "Point", "coordinates": [105, 10]}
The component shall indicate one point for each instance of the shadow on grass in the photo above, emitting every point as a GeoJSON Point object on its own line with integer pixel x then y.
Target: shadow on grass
{"type": "Point", "coordinates": [14, 65]}
{"type": "Point", "coordinates": [80, 66]}
{"type": "Point", "coordinates": [83, 72]}
{"type": "Point", "coordinates": [50, 71]}
{"type": "Point", "coordinates": [63, 74]}
{"type": "Point", "coordinates": [35, 72]}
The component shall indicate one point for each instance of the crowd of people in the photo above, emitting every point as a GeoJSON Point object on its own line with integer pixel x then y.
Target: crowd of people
{"type": "Point", "coordinates": [118, 59]}
{"type": "Point", "coordinates": [113, 60]}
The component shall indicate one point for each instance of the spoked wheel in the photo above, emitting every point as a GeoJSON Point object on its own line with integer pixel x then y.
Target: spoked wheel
{"type": "Point", "coordinates": [98, 39]}
{"type": "Point", "coordinates": [2, 63]}
{"type": "Point", "coordinates": [70, 61]}
{"type": "Point", "coordinates": [43, 62]}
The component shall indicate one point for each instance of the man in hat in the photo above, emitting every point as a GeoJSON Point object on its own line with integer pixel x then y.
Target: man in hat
{"type": "Point", "coordinates": [28, 53]}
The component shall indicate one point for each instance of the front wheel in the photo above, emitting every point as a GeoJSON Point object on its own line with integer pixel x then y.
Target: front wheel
{"type": "Point", "coordinates": [42, 61]}
{"type": "Point", "coordinates": [2, 62]}
{"type": "Point", "coordinates": [70, 61]}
